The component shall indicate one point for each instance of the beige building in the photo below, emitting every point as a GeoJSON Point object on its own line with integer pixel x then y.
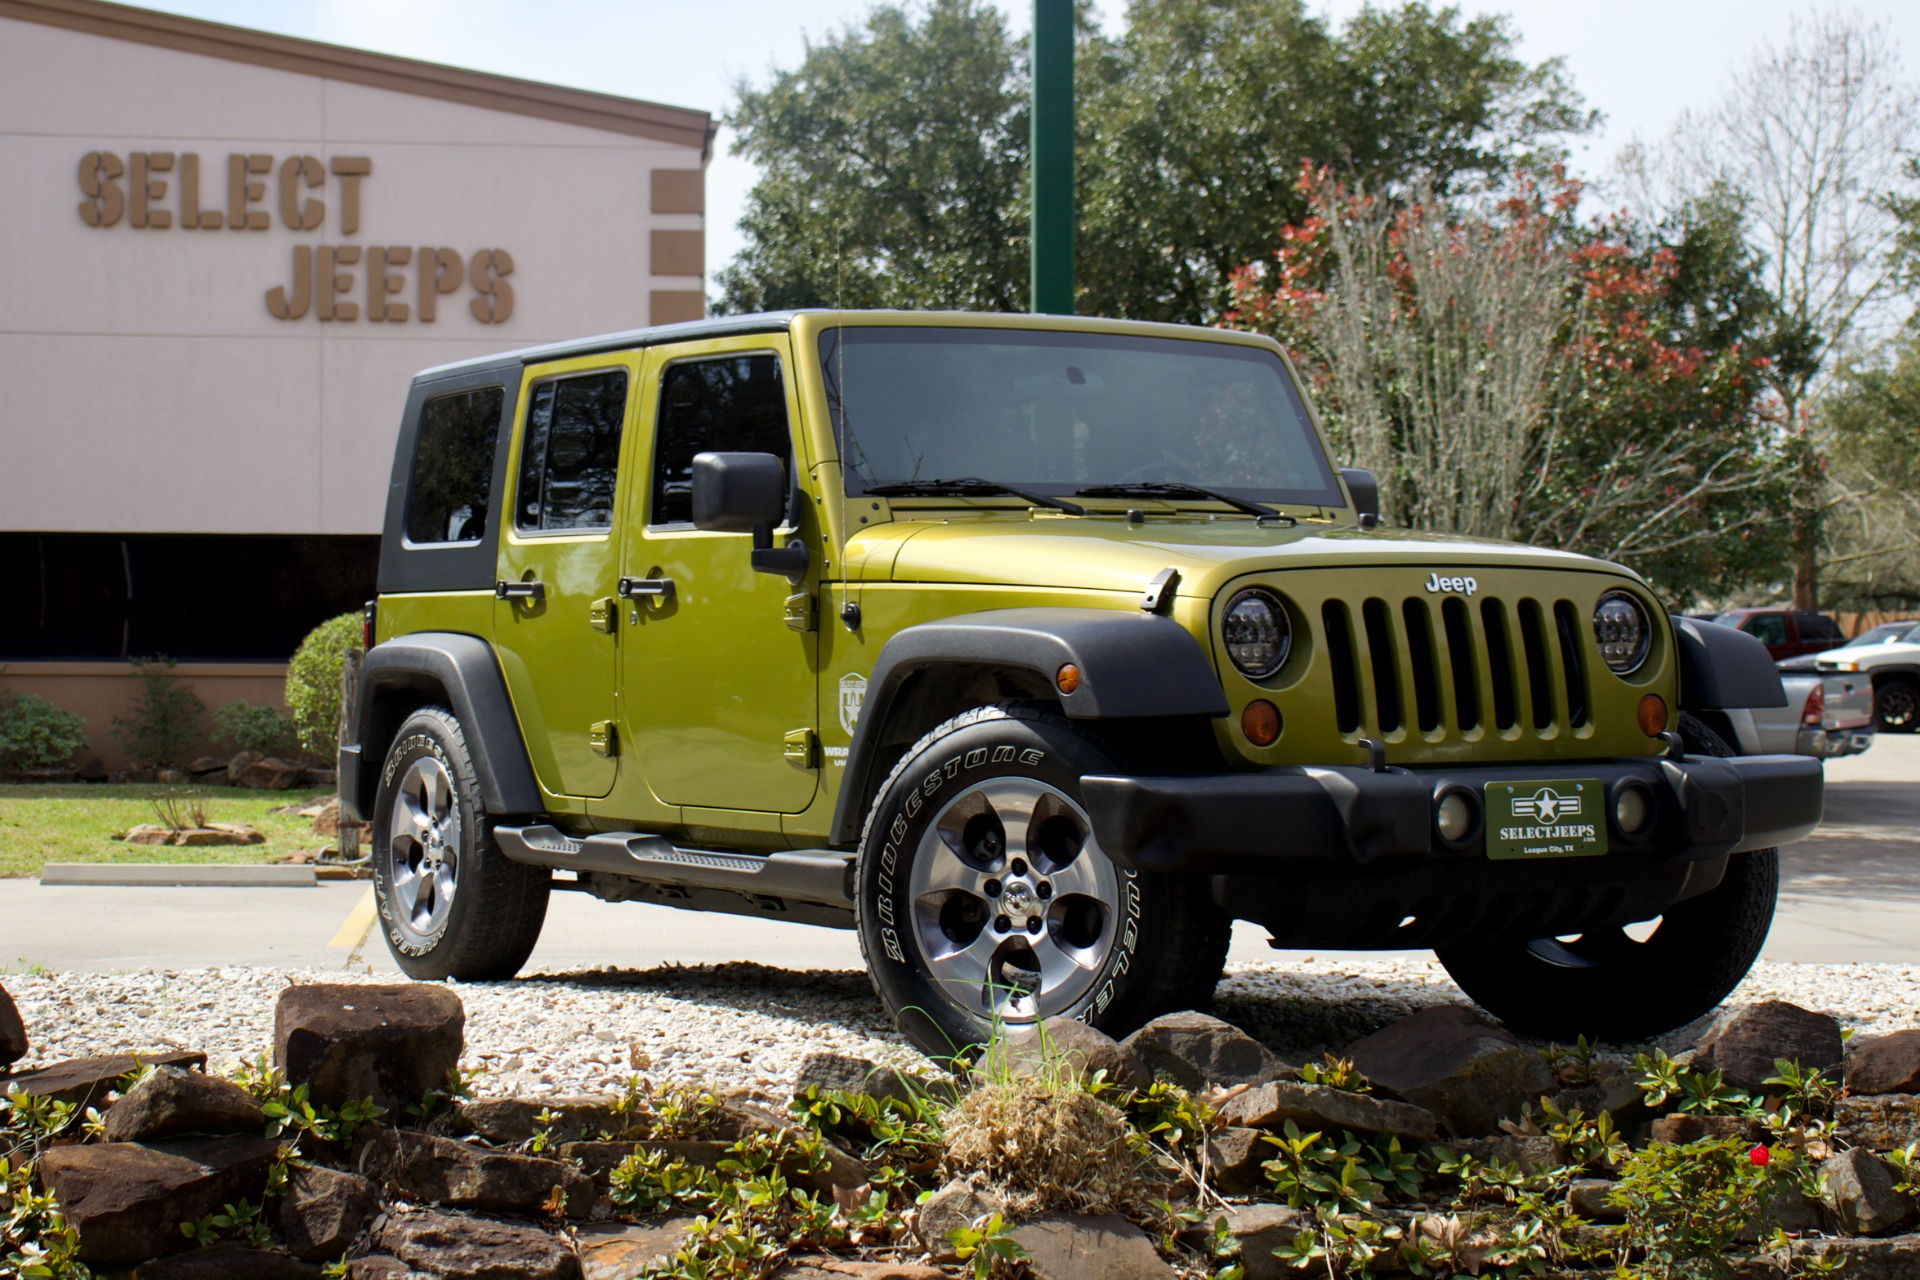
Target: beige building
{"type": "Point", "coordinates": [223, 254]}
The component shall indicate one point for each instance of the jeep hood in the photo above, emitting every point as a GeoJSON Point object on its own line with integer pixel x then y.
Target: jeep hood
{"type": "Point", "coordinates": [1096, 554]}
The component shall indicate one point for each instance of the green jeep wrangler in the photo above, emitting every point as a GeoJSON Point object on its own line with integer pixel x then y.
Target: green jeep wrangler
{"type": "Point", "coordinates": [1037, 650]}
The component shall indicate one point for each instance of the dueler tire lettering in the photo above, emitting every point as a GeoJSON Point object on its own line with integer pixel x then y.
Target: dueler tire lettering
{"type": "Point", "coordinates": [982, 892]}
{"type": "Point", "coordinates": [488, 914]}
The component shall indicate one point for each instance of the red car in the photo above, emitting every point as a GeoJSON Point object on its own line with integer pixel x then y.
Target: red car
{"type": "Point", "coordinates": [1787, 633]}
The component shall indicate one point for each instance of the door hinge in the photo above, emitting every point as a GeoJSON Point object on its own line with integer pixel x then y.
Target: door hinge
{"type": "Point", "coordinates": [799, 748]}
{"type": "Point", "coordinates": [604, 614]}
{"type": "Point", "coordinates": [798, 613]}
{"type": "Point", "coordinates": [602, 737]}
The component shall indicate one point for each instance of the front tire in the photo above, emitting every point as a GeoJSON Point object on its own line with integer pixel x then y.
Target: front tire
{"type": "Point", "coordinates": [1605, 984]}
{"type": "Point", "coordinates": [451, 905]}
{"type": "Point", "coordinates": [985, 901]}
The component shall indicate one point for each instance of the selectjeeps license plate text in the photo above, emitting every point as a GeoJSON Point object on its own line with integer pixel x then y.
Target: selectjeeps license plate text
{"type": "Point", "coordinates": [1562, 818]}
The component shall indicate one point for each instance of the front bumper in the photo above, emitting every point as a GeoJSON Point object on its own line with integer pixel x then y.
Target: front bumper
{"type": "Point", "coordinates": [1274, 821]}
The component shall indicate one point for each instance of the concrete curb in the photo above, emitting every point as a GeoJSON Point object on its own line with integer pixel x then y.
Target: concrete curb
{"type": "Point", "coordinates": [173, 874]}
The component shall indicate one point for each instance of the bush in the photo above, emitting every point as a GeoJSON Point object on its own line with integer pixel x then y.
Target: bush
{"type": "Point", "coordinates": [313, 682]}
{"type": "Point", "coordinates": [35, 734]}
{"type": "Point", "coordinates": [268, 730]}
{"type": "Point", "coordinates": [163, 721]}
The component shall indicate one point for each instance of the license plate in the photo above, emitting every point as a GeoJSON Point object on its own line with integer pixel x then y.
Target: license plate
{"type": "Point", "coordinates": [1560, 818]}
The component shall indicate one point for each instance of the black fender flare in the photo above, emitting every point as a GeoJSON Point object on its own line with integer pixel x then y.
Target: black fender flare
{"type": "Point", "coordinates": [1905, 670]}
{"type": "Point", "coordinates": [1721, 668]}
{"type": "Point", "coordinates": [1132, 665]}
{"type": "Point", "coordinates": [462, 671]}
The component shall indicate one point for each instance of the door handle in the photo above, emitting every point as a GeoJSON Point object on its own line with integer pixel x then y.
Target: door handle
{"type": "Point", "coordinates": [660, 589]}
{"type": "Point", "coordinates": [528, 591]}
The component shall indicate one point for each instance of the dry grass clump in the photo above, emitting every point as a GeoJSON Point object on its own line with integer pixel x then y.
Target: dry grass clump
{"type": "Point", "coordinates": [1044, 1145]}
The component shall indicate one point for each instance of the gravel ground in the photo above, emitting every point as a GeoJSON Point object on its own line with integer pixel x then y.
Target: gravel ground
{"type": "Point", "coordinates": [748, 1026]}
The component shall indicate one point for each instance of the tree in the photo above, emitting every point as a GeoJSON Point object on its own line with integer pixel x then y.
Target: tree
{"type": "Point", "coordinates": [1812, 137]}
{"type": "Point", "coordinates": [894, 158]}
{"type": "Point", "coordinates": [892, 169]}
{"type": "Point", "coordinates": [1873, 528]}
{"type": "Point", "coordinates": [1508, 372]}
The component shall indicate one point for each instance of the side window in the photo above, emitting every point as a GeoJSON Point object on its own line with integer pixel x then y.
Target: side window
{"type": "Point", "coordinates": [453, 467]}
{"type": "Point", "coordinates": [1767, 628]}
{"type": "Point", "coordinates": [570, 454]}
{"type": "Point", "coordinates": [732, 404]}
{"type": "Point", "coordinates": [1816, 626]}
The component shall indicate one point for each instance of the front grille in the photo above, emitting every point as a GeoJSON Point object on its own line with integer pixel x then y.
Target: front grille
{"type": "Point", "coordinates": [1441, 668]}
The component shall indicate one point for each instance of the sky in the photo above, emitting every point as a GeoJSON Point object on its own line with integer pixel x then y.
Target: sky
{"type": "Point", "coordinates": [1640, 62]}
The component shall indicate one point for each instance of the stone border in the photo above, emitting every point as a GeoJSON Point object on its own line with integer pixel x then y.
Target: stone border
{"type": "Point", "coordinates": [178, 874]}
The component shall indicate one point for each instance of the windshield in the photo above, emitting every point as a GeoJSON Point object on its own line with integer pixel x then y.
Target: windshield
{"type": "Point", "coordinates": [1060, 412]}
{"type": "Point", "coordinates": [1883, 633]}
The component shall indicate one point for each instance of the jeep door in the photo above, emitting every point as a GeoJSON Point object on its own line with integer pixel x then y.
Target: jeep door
{"type": "Point", "coordinates": [717, 689]}
{"type": "Point", "coordinates": [555, 619]}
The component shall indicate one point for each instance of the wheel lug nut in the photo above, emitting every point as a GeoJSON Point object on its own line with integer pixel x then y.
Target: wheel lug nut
{"type": "Point", "coordinates": [993, 888]}
{"type": "Point", "coordinates": [1044, 889]}
{"type": "Point", "coordinates": [1019, 867]}
{"type": "Point", "coordinates": [1033, 924]}
{"type": "Point", "coordinates": [1002, 924]}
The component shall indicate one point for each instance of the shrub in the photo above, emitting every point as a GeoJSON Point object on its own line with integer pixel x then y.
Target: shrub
{"type": "Point", "coordinates": [163, 720]}
{"type": "Point", "coordinates": [35, 734]}
{"type": "Point", "coordinates": [313, 682]}
{"type": "Point", "coordinates": [268, 730]}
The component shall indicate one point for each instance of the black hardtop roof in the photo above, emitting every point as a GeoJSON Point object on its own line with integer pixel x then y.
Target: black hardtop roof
{"type": "Point", "coordinates": [625, 340]}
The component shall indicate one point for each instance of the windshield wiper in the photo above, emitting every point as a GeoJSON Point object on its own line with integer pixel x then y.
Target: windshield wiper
{"type": "Point", "coordinates": [971, 487]}
{"type": "Point", "coordinates": [1180, 489]}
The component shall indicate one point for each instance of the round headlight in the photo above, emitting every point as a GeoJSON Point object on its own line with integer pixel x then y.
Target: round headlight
{"type": "Point", "coordinates": [1623, 631]}
{"type": "Point", "coordinates": [1257, 632]}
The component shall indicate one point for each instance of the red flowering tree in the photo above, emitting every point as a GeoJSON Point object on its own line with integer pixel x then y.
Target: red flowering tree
{"type": "Point", "coordinates": [1510, 372]}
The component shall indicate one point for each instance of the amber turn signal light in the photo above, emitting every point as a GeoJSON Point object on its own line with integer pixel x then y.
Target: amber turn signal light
{"type": "Point", "coordinates": [1067, 678]}
{"type": "Point", "coordinates": [1653, 715]}
{"type": "Point", "coordinates": [1260, 722]}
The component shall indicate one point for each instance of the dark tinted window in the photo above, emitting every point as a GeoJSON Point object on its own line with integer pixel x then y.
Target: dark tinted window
{"type": "Point", "coordinates": [1767, 628]}
{"type": "Point", "coordinates": [731, 405]}
{"type": "Point", "coordinates": [571, 453]}
{"type": "Point", "coordinates": [453, 467]}
{"type": "Point", "coordinates": [1816, 626]}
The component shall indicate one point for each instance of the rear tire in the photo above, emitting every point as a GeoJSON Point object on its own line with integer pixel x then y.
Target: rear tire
{"type": "Point", "coordinates": [985, 900]}
{"type": "Point", "coordinates": [451, 905]}
{"type": "Point", "coordinates": [1896, 704]}
{"type": "Point", "coordinates": [1607, 986]}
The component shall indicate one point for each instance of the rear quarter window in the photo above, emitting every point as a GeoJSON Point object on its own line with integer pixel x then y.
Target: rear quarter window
{"type": "Point", "coordinates": [450, 490]}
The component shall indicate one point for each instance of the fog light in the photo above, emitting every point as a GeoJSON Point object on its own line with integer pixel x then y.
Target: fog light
{"type": "Point", "coordinates": [1632, 810]}
{"type": "Point", "coordinates": [1455, 819]}
{"type": "Point", "coordinates": [1067, 678]}
{"type": "Point", "coordinates": [1261, 722]}
{"type": "Point", "coordinates": [1652, 715]}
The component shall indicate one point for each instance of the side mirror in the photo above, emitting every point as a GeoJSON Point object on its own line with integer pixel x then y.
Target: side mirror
{"type": "Point", "coordinates": [1365, 491]}
{"type": "Point", "coordinates": [747, 493]}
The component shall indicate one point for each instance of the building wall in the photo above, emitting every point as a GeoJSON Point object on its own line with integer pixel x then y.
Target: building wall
{"type": "Point", "coordinates": [100, 691]}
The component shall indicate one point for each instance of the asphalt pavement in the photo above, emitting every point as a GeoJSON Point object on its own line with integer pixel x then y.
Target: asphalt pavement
{"type": "Point", "coordinates": [1849, 893]}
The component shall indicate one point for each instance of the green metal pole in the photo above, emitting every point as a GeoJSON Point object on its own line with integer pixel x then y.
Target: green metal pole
{"type": "Point", "coordinates": [1051, 277]}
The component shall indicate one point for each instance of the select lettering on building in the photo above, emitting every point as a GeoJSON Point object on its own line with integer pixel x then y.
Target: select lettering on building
{"type": "Point", "coordinates": [391, 284]}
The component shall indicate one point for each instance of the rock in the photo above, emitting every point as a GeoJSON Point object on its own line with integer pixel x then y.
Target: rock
{"type": "Point", "coordinates": [1234, 1157]}
{"type": "Point", "coordinates": [443, 1171]}
{"type": "Point", "coordinates": [13, 1032]}
{"type": "Point", "coordinates": [324, 1211]}
{"type": "Point", "coordinates": [172, 777]}
{"type": "Point", "coordinates": [219, 833]}
{"type": "Point", "coordinates": [622, 1250]}
{"type": "Point", "coordinates": [127, 1200]}
{"type": "Point", "coordinates": [1683, 1127]}
{"type": "Point", "coordinates": [327, 821]}
{"type": "Point", "coordinates": [598, 1160]}
{"type": "Point", "coordinates": [173, 1100]}
{"type": "Point", "coordinates": [390, 1043]}
{"type": "Point", "coordinates": [1469, 1073]}
{"type": "Point", "coordinates": [504, 1122]}
{"type": "Point", "coordinates": [443, 1244]}
{"type": "Point", "coordinates": [828, 1267]}
{"type": "Point", "coordinates": [1858, 1187]}
{"type": "Point", "coordinates": [1064, 1246]}
{"type": "Point", "coordinates": [1615, 1093]}
{"type": "Point", "coordinates": [1194, 1050]}
{"type": "Point", "coordinates": [848, 1074]}
{"type": "Point", "coordinates": [1885, 1064]}
{"type": "Point", "coordinates": [1315, 1106]}
{"type": "Point", "coordinates": [1592, 1198]}
{"type": "Point", "coordinates": [1743, 1043]}
{"type": "Point", "coordinates": [86, 1082]}
{"type": "Point", "coordinates": [268, 773]}
{"type": "Point", "coordinates": [1894, 1259]}
{"type": "Point", "coordinates": [1530, 1154]}
{"type": "Point", "coordinates": [956, 1205]}
{"type": "Point", "coordinates": [1878, 1123]}
{"type": "Point", "coordinates": [210, 764]}
{"type": "Point", "coordinates": [1256, 1231]}
{"type": "Point", "coordinates": [378, 1266]}
{"type": "Point", "coordinates": [240, 763]}
{"type": "Point", "coordinates": [1063, 1044]}
{"type": "Point", "coordinates": [227, 1262]}
{"type": "Point", "coordinates": [94, 770]}
{"type": "Point", "coordinates": [323, 777]}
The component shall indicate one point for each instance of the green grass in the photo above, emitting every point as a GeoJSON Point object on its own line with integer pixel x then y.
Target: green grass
{"type": "Point", "coordinates": [74, 823]}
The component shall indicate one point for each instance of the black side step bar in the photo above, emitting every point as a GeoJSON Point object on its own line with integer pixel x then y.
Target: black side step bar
{"type": "Point", "coordinates": [818, 876]}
